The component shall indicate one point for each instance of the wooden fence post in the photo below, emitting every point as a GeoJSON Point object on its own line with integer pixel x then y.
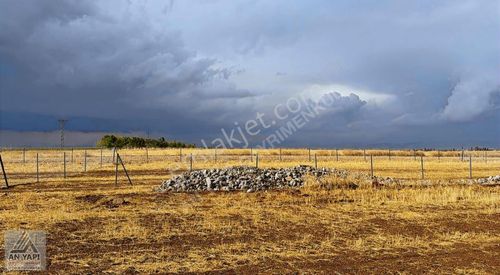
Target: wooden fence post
{"type": "Point", "coordinates": [85, 161]}
{"type": "Point", "coordinates": [422, 166]}
{"type": "Point", "coordinates": [257, 160]}
{"type": "Point", "coordinates": [337, 154]}
{"type": "Point", "coordinates": [215, 155]}
{"type": "Point", "coordinates": [315, 161]}
{"type": "Point", "coordinates": [101, 158]}
{"type": "Point", "coordinates": [71, 155]}
{"type": "Point", "coordinates": [116, 170]}
{"type": "Point", "coordinates": [147, 155]}
{"type": "Point", "coordinates": [180, 154]}
{"type": "Point", "coordinates": [37, 169]}
{"type": "Point", "coordinates": [251, 155]}
{"type": "Point", "coordinates": [414, 154]}
{"type": "Point", "coordinates": [470, 166]}
{"type": "Point", "coordinates": [389, 154]}
{"type": "Point", "coordinates": [24, 155]}
{"type": "Point", "coordinates": [364, 154]}
{"type": "Point", "coordinates": [4, 174]}
{"type": "Point", "coordinates": [371, 165]}
{"type": "Point", "coordinates": [191, 162]}
{"type": "Point", "coordinates": [309, 149]}
{"type": "Point", "coordinates": [280, 154]}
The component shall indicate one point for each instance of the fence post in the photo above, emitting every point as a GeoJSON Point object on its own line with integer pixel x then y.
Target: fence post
{"type": "Point", "coordinates": [422, 166]}
{"type": "Point", "coordinates": [309, 154]}
{"type": "Point", "coordinates": [470, 166]}
{"type": "Point", "coordinates": [215, 155]}
{"type": "Point", "coordinates": [486, 156]}
{"type": "Point", "coordinates": [180, 154]}
{"type": "Point", "coordinates": [389, 154]}
{"type": "Point", "coordinates": [85, 161]}
{"type": "Point", "coordinates": [101, 158]}
{"type": "Point", "coordinates": [280, 154]}
{"type": "Point", "coordinates": [4, 174]}
{"type": "Point", "coordinates": [64, 164]}
{"type": "Point", "coordinates": [147, 155]}
{"type": "Point", "coordinates": [116, 169]}
{"type": "Point", "coordinates": [257, 160]}
{"type": "Point", "coordinates": [337, 154]}
{"type": "Point", "coordinates": [251, 155]}
{"type": "Point", "coordinates": [371, 165]}
{"type": "Point", "coordinates": [462, 158]}
{"type": "Point", "coordinates": [439, 155]}
{"type": "Point", "coordinates": [315, 161]}
{"type": "Point", "coordinates": [414, 154]}
{"type": "Point", "coordinates": [191, 162]}
{"type": "Point", "coordinates": [24, 155]}
{"type": "Point", "coordinates": [364, 154]}
{"type": "Point", "coordinates": [71, 155]}
{"type": "Point", "coordinates": [37, 170]}
{"type": "Point", "coordinates": [124, 169]}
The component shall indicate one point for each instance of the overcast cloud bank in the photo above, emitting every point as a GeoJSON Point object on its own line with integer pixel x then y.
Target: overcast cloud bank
{"type": "Point", "coordinates": [404, 74]}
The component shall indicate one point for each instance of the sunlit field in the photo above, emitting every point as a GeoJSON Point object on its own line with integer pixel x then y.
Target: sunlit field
{"type": "Point", "coordinates": [96, 226]}
{"type": "Point", "coordinates": [158, 164]}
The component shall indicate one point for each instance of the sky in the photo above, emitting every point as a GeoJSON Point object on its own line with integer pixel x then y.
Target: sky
{"type": "Point", "coordinates": [398, 74]}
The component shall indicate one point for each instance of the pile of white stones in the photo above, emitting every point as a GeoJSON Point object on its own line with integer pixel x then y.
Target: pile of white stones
{"type": "Point", "coordinates": [252, 179]}
{"type": "Point", "coordinates": [248, 179]}
{"type": "Point", "coordinates": [489, 181]}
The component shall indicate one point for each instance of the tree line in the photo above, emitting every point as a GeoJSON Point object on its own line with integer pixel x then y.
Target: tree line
{"type": "Point", "coordinates": [110, 141]}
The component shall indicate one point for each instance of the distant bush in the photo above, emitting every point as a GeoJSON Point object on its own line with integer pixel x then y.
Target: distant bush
{"type": "Point", "coordinates": [110, 141]}
{"type": "Point", "coordinates": [477, 148]}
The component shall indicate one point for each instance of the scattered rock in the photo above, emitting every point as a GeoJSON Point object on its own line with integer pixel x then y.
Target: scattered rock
{"type": "Point", "coordinates": [378, 182]}
{"type": "Point", "coordinates": [119, 201]}
{"type": "Point", "coordinates": [489, 181]}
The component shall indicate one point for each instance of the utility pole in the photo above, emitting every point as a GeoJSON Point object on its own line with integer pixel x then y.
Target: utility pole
{"type": "Point", "coordinates": [61, 128]}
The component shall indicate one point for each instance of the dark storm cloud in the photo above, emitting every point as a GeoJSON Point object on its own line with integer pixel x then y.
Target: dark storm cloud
{"type": "Point", "coordinates": [75, 59]}
{"type": "Point", "coordinates": [419, 72]}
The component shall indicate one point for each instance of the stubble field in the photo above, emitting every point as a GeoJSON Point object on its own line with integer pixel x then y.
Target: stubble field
{"type": "Point", "coordinates": [441, 224]}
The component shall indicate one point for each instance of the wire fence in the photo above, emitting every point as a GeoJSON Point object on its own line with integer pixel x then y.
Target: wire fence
{"type": "Point", "coordinates": [35, 165]}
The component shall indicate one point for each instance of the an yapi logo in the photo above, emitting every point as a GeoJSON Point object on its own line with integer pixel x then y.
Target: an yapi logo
{"type": "Point", "coordinates": [25, 250]}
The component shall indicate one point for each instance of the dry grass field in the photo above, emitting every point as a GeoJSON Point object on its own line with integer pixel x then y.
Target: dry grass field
{"type": "Point", "coordinates": [436, 225]}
